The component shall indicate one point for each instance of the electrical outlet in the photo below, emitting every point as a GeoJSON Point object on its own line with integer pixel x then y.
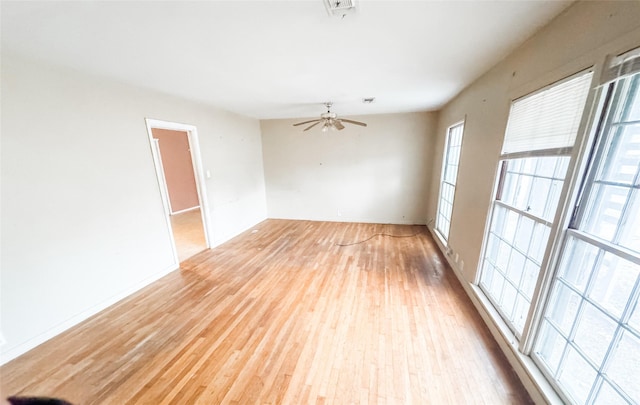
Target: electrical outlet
{"type": "Point", "coordinates": [461, 265]}
{"type": "Point", "coordinates": [456, 258]}
{"type": "Point", "coordinates": [339, 213]}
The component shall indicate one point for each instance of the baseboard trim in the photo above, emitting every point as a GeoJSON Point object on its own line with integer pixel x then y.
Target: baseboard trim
{"type": "Point", "coordinates": [22, 348]}
{"type": "Point", "coordinates": [219, 241]}
{"type": "Point", "coordinates": [357, 221]}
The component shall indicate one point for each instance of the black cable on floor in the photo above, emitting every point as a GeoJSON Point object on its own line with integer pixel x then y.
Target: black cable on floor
{"type": "Point", "coordinates": [378, 234]}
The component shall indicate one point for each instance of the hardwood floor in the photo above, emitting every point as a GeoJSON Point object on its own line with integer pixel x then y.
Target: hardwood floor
{"type": "Point", "coordinates": [188, 233]}
{"type": "Point", "coordinates": [282, 315]}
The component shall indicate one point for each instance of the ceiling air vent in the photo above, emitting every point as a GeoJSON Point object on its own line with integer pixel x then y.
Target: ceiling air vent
{"type": "Point", "coordinates": [340, 8]}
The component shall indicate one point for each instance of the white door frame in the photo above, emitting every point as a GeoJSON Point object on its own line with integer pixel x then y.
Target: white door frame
{"type": "Point", "coordinates": [194, 146]}
{"type": "Point", "coordinates": [164, 189]}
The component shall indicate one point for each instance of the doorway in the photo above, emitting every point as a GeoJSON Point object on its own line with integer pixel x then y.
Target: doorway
{"type": "Point", "coordinates": [178, 167]}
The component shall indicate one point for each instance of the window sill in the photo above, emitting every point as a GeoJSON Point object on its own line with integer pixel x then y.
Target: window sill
{"type": "Point", "coordinates": [527, 370]}
{"type": "Point", "coordinates": [532, 378]}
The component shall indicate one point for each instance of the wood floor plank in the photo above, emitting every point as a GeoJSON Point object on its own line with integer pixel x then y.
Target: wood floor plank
{"type": "Point", "coordinates": [284, 315]}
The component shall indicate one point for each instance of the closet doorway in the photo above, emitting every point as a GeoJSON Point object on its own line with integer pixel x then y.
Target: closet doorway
{"type": "Point", "coordinates": [179, 171]}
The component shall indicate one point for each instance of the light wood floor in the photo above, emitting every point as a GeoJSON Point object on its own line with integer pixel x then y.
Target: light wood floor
{"type": "Point", "coordinates": [188, 233]}
{"type": "Point", "coordinates": [284, 316]}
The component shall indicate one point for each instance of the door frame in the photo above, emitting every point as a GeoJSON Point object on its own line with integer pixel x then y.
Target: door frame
{"type": "Point", "coordinates": [194, 146]}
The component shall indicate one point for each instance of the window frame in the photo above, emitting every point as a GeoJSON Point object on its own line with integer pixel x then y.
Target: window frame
{"type": "Point", "coordinates": [591, 158]}
{"type": "Point", "coordinates": [597, 106]}
{"type": "Point", "coordinates": [582, 155]}
{"type": "Point", "coordinates": [524, 342]}
{"type": "Point", "coordinates": [445, 163]}
{"type": "Point", "coordinates": [497, 202]}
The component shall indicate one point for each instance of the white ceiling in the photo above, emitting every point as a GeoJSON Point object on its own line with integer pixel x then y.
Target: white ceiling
{"type": "Point", "coordinates": [280, 59]}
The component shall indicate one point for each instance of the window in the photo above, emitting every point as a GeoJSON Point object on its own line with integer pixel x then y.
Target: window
{"type": "Point", "coordinates": [538, 143]}
{"type": "Point", "coordinates": [519, 233]}
{"type": "Point", "coordinates": [589, 339]}
{"type": "Point", "coordinates": [575, 306]}
{"type": "Point", "coordinates": [448, 183]}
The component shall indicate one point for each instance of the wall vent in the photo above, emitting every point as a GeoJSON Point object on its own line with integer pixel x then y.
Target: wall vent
{"type": "Point", "coordinates": [340, 8]}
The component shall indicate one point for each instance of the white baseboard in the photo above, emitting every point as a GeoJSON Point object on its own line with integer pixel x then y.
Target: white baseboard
{"type": "Point", "coordinates": [225, 238]}
{"type": "Point", "coordinates": [12, 353]}
{"type": "Point", "coordinates": [356, 220]}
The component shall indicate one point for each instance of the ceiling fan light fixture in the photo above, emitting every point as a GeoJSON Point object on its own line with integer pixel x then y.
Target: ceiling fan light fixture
{"type": "Point", "coordinates": [329, 121]}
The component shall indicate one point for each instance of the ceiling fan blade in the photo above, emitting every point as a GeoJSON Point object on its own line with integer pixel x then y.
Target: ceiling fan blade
{"type": "Point", "coordinates": [311, 126]}
{"type": "Point", "coordinates": [305, 122]}
{"type": "Point", "coordinates": [362, 124]}
{"type": "Point", "coordinates": [338, 125]}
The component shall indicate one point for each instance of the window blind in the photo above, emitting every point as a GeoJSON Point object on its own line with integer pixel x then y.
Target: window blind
{"type": "Point", "coordinates": [620, 66]}
{"type": "Point", "coordinates": [549, 118]}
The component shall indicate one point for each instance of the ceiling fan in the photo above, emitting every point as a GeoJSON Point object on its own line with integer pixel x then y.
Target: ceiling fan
{"type": "Point", "coordinates": [329, 120]}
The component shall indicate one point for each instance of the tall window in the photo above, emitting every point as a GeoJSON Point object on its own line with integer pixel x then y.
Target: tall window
{"type": "Point", "coordinates": [448, 183]}
{"type": "Point", "coordinates": [538, 143]}
{"type": "Point", "coordinates": [589, 340]}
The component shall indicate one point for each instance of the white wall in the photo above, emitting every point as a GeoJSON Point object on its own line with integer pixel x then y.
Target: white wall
{"type": "Point", "coordinates": [82, 218]}
{"type": "Point", "coordinates": [577, 39]}
{"type": "Point", "coordinates": [375, 174]}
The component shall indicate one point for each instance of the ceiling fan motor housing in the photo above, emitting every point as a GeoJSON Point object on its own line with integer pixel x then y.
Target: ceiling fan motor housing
{"type": "Point", "coordinates": [340, 8]}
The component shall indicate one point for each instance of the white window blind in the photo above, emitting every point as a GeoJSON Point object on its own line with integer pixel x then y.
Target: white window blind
{"type": "Point", "coordinates": [547, 119]}
{"type": "Point", "coordinates": [620, 66]}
